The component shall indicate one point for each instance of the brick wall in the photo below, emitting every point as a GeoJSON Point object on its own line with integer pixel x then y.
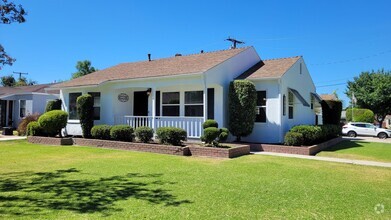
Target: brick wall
{"type": "Point", "coordinates": [219, 152]}
{"type": "Point", "coordinates": [153, 148]}
{"type": "Point", "coordinates": [49, 140]}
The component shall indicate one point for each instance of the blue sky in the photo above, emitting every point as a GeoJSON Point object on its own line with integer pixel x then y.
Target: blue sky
{"type": "Point", "coordinates": [338, 39]}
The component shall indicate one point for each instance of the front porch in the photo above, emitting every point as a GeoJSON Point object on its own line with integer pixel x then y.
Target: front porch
{"type": "Point", "coordinates": [192, 125]}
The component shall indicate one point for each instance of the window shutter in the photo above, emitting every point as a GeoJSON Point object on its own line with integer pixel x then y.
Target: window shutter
{"type": "Point", "coordinates": [211, 103]}
{"type": "Point", "coordinates": [157, 104]}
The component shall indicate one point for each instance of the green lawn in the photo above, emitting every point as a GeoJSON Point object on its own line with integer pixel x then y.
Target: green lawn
{"type": "Point", "coordinates": [360, 150]}
{"type": "Point", "coordinates": [51, 182]}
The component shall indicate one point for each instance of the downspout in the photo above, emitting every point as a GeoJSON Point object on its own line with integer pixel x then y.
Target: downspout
{"type": "Point", "coordinates": [280, 110]}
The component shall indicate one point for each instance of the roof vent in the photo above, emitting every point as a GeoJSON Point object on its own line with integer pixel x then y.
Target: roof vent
{"type": "Point", "coordinates": [149, 57]}
{"type": "Point", "coordinates": [178, 55]}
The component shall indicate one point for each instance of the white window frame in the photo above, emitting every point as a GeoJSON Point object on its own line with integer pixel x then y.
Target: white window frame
{"type": "Point", "coordinates": [25, 108]}
{"type": "Point", "coordinates": [95, 105]}
{"type": "Point", "coordinates": [291, 103]}
{"type": "Point", "coordinates": [262, 106]}
{"type": "Point", "coordinates": [192, 104]}
{"type": "Point", "coordinates": [162, 104]}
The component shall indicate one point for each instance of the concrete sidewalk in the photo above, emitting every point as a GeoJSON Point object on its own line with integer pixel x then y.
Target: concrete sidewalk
{"type": "Point", "coordinates": [329, 159]}
{"type": "Point", "coordinates": [10, 138]}
{"type": "Point", "coordinates": [368, 139]}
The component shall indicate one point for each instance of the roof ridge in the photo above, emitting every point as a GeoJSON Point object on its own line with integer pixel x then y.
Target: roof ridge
{"type": "Point", "coordinates": [298, 56]}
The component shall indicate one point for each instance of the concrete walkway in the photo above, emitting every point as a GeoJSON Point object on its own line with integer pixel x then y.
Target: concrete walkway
{"type": "Point", "coordinates": [9, 138]}
{"type": "Point", "coordinates": [329, 159]}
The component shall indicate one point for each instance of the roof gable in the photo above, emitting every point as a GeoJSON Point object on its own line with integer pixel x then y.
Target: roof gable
{"type": "Point", "coordinates": [26, 89]}
{"type": "Point", "coordinates": [273, 68]}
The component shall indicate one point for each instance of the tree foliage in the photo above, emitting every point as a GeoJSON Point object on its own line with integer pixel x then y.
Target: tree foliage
{"type": "Point", "coordinates": [372, 91]}
{"type": "Point", "coordinates": [9, 13]}
{"type": "Point", "coordinates": [242, 104]}
{"type": "Point", "coordinates": [83, 68]}
{"type": "Point", "coordinates": [10, 81]}
{"type": "Point", "coordinates": [360, 115]}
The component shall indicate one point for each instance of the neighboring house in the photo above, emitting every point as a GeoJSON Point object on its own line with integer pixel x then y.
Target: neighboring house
{"type": "Point", "coordinates": [331, 97]}
{"type": "Point", "coordinates": [18, 102]}
{"type": "Point", "coordinates": [184, 91]}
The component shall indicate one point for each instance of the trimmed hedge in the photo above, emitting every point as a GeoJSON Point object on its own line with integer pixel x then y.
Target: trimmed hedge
{"type": "Point", "coordinates": [223, 136]}
{"type": "Point", "coordinates": [210, 123]}
{"type": "Point", "coordinates": [144, 134]}
{"type": "Point", "coordinates": [52, 122]}
{"type": "Point", "coordinates": [312, 134]}
{"type": "Point", "coordinates": [331, 111]}
{"type": "Point", "coordinates": [53, 105]}
{"type": "Point", "coordinates": [34, 129]}
{"type": "Point", "coordinates": [85, 109]}
{"type": "Point", "coordinates": [22, 127]}
{"type": "Point", "coordinates": [101, 132]}
{"type": "Point", "coordinates": [122, 133]}
{"type": "Point", "coordinates": [171, 135]}
{"type": "Point", "coordinates": [210, 135]}
{"type": "Point", "coordinates": [360, 115]}
{"type": "Point", "coordinates": [242, 104]}
{"type": "Point", "coordinates": [294, 139]}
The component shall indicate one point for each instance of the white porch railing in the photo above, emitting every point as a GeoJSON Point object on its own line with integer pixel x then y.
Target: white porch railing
{"type": "Point", "coordinates": [192, 125]}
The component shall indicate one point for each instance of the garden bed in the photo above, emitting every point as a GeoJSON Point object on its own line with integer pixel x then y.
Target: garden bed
{"type": "Point", "coordinates": [233, 151]}
{"type": "Point", "coordinates": [303, 150]}
{"type": "Point", "coordinates": [153, 148]}
{"type": "Point", "coordinates": [49, 140]}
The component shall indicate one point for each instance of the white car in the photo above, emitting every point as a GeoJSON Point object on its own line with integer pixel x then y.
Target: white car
{"type": "Point", "coordinates": [352, 129]}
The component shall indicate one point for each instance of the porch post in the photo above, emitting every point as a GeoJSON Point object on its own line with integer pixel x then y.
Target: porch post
{"type": "Point", "coordinates": [153, 98]}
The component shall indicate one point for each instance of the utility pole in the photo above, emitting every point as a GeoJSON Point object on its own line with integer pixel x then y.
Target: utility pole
{"type": "Point", "coordinates": [20, 74]}
{"type": "Point", "coordinates": [234, 41]}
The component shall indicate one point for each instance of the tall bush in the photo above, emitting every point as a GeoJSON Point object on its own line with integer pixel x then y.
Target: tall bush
{"type": "Point", "coordinates": [331, 111]}
{"type": "Point", "coordinates": [53, 105]}
{"type": "Point", "coordinates": [360, 115]}
{"type": "Point", "coordinates": [242, 104]}
{"type": "Point", "coordinates": [52, 122]}
{"type": "Point", "coordinates": [22, 127]}
{"type": "Point", "coordinates": [85, 109]}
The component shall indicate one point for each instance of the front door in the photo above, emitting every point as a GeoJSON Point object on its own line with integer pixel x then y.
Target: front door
{"type": "Point", "coordinates": [140, 104]}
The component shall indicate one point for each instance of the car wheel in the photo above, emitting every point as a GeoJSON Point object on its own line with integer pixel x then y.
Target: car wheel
{"type": "Point", "coordinates": [382, 135]}
{"type": "Point", "coordinates": [352, 134]}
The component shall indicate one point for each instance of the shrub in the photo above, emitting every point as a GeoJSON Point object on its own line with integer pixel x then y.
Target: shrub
{"type": "Point", "coordinates": [210, 135]}
{"type": "Point", "coordinates": [311, 134]}
{"type": "Point", "coordinates": [360, 115]}
{"type": "Point", "coordinates": [53, 105]}
{"type": "Point", "coordinates": [293, 139]}
{"type": "Point", "coordinates": [242, 104]}
{"type": "Point", "coordinates": [330, 131]}
{"type": "Point", "coordinates": [122, 133]}
{"type": "Point", "coordinates": [34, 129]}
{"type": "Point", "coordinates": [52, 122]}
{"type": "Point", "coordinates": [331, 111]}
{"type": "Point", "coordinates": [101, 132]}
{"type": "Point", "coordinates": [171, 135]}
{"type": "Point", "coordinates": [85, 109]}
{"type": "Point", "coordinates": [223, 136]}
{"type": "Point", "coordinates": [144, 134]}
{"type": "Point", "coordinates": [22, 127]}
{"type": "Point", "coordinates": [210, 123]}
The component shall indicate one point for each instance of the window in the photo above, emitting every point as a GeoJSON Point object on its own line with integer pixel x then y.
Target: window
{"type": "Point", "coordinates": [96, 97]}
{"type": "Point", "coordinates": [312, 101]}
{"type": "Point", "coordinates": [170, 103]}
{"type": "Point", "coordinates": [72, 105]}
{"type": "Point", "coordinates": [194, 103]}
{"type": "Point", "coordinates": [284, 105]}
{"type": "Point", "coordinates": [22, 108]}
{"type": "Point", "coordinates": [261, 107]}
{"type": "Point", "coordinates": [290, 104]}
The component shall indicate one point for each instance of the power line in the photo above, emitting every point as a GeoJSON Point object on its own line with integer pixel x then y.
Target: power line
{"type": "Point", "coordinates": [353, 59]}
{"type": "Point", "coordinates": [336, 84]}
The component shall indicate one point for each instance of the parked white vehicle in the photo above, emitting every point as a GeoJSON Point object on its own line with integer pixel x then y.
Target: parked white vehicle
{"type": "Point", "coordinates": [352, 129]}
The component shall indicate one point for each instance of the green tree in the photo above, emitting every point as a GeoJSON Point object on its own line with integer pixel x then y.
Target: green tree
{"type": "Point", "coordinates": [83, 68]}
{"type": "Point", "coordinates": [360, 115]}
{"type": "Point", "coordinates": [9, 13]}
{"type": "Point", "coordinates": [8, 81]}
{"type": "Point", "coordinates": [242, 104]}
{"type": "Point", "coordinates": [372, 91]}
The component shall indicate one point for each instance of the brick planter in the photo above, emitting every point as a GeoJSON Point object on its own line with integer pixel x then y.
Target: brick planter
{"type": "Point", "coordinates": [49, 140]}
{"type": "Point", "coordinates": [154, 148]}
{"type": "Point", "coordinates": [236, 151]}
{"type": "Point", "coordinates": [304, 150]}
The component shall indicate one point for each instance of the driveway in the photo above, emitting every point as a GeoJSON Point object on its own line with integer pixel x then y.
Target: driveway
{"type": "Point", "coordinates": [369, 139]}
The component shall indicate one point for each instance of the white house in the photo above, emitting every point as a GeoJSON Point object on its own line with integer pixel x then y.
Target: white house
{"type": "Point", "coordinates": [184, 91]}
{"type": "Point", "coordinates": [18, 102]}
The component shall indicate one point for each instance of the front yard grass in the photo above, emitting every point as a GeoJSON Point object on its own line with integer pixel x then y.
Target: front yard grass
{"type": "Point", "coordinates": [360, 150]}
{"type": "Point", "coordinates": [52, 182]}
